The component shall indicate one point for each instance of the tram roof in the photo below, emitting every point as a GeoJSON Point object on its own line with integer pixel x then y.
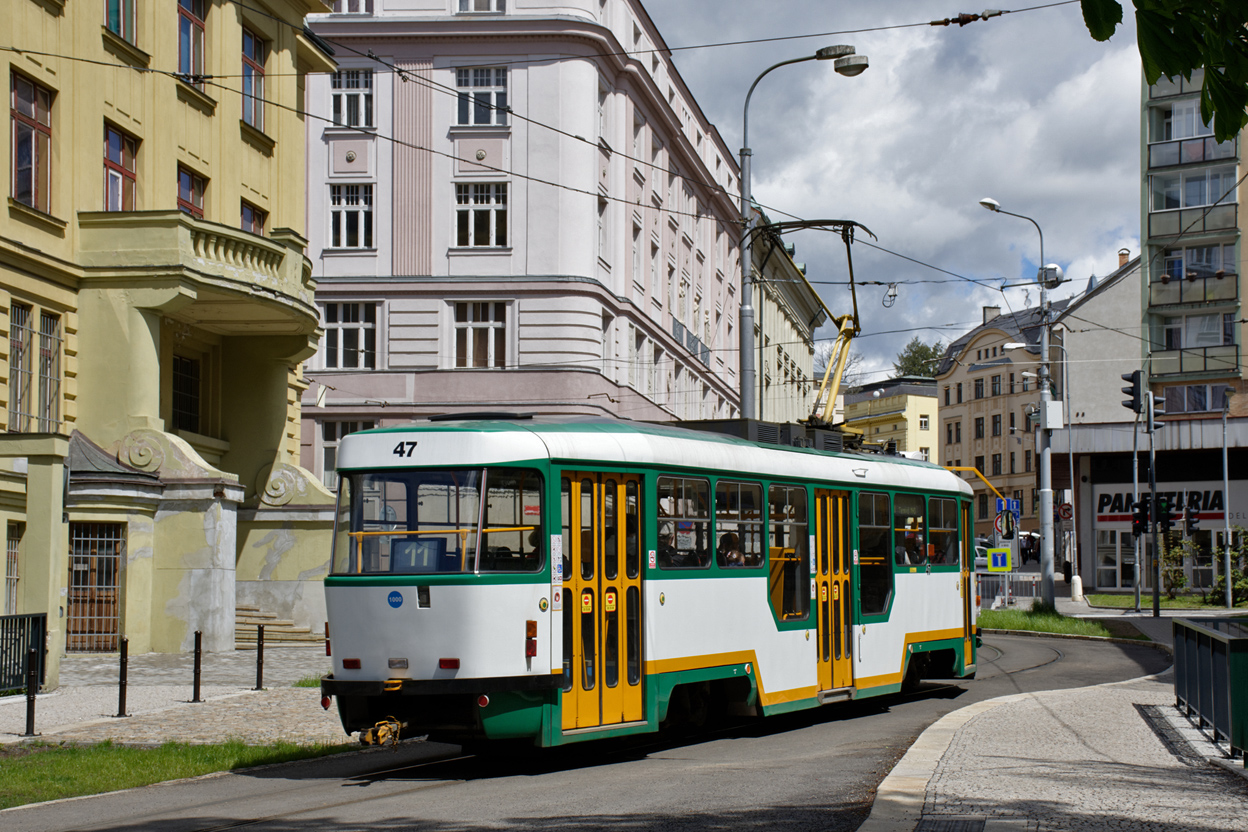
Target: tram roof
{"type": "Point", "coordinates": [595, 441]}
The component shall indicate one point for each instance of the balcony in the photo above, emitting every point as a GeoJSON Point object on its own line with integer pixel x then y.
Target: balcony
{"type": "Point", "coordinates": [233, 282]}
{"type": "Point", "coordinates": [1189, 151]}
{"type": "Point", "coordinates": [1223, 359]}
{"type": "Point", "coordinates": [1193, 289]}
{"type": "Point", "coordinates": [1193, 220]}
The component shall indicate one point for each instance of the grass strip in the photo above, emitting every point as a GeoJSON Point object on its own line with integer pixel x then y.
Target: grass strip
{"type": "Point", "coordinates": [36, 772]}
{"type": "Point", "coordinates": [308, 682]}
{"type": "Point", "coordinates": [1041, 619]}
{"type": "Point", "coordinates": [1183, 602]}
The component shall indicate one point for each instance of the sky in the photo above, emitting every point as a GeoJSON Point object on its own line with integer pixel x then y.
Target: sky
{"type": "Point", "coordinates": [1024, 108]}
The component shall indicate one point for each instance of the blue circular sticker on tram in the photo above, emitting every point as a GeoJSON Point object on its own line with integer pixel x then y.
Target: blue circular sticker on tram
{"type": "Point", "coordinates": [396, 599]}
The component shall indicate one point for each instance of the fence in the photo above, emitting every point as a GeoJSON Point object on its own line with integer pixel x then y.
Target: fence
{"type": "Point", "coordinates": [993, 588]}
{"type": "Point", "coordinates": [18, 635]}
{"type": "Point", "coordinates": [1211, 677]}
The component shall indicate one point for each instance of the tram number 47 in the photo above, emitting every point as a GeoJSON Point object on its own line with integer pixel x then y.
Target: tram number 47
{"type": "Point", "coordinates": [404, 449]}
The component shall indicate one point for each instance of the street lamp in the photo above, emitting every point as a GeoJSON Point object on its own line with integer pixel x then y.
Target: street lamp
{"type": "Point", "coordinates": [1070, 448]}
{"type": "Point", "coordinates": [1049, 277]}
{"type": "Point", "coordinates": [846, 63]}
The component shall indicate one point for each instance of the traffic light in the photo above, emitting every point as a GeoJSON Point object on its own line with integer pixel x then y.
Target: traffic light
{"type": "Point", "coordinates": [1192, 524]}
{"type": "Point", "coordinates": [1157, 409]}
{"type": "Point", "coordinates": [1135, 391]}
{"type": "Point", "coordinates": [1139, 520]}
{"type": "Point", "coordinates": [1165, 519]}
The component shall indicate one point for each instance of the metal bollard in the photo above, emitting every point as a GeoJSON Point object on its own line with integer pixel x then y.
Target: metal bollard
{"type": "Point", "coordinates": [199, 638]}
{"type": "Point", "coordinates": [121, 682]}
{"type": "Point", "coordinates": [259, 657]}
{"type": "Point", "coordinates": [32, 688]}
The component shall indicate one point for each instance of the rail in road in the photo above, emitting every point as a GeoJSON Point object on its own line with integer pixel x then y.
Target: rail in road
{"type": "Point", "coordinates": [815, 768]}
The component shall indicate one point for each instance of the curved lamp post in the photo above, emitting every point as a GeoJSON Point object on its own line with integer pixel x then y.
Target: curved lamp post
{"type": "Point", "coordinates": [846, 63]}
{"type": "Point", "coordinates": [1048, 276]}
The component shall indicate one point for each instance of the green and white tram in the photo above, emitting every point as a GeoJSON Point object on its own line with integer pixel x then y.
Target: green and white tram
{"type": "Point", "coordinates": [558, 580]}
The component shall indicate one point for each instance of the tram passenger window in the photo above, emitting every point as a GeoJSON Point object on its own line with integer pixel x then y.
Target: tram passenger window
{"type": "Point", "coordinates": [738, 524]}
{"type": "Point", "coordinates": [684, 523]}
{"type": "Point", "coordinates": [875, 572]}
{"type": "Point", "coordinates": [942, 533]}
{"type": "Point", "coordinates": [789, 552]}
{"type": "Point", "coordinates": [632, 530]}
{"type": "Point", "coordinates": [512, 537]}
{"type": "Point", "coordinates": [910, 544]}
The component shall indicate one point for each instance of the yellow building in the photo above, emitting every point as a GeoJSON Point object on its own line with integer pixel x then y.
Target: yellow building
{"type": "Point", "coordinates": [159, 304]}
{"type": "Point", "coordinates": [900, 412]}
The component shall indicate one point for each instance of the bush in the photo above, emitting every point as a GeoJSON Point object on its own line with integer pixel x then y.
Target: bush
{"type": "Point", "coordinates": [1239, 574]}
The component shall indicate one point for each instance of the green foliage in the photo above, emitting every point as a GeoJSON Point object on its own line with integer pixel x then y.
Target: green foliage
{"type": "Point", "coordinates": [918, 358]}
{"type": "Point", "coordinates": [308, 682]}
{"type": "Point", "coordinates": [1239, 574]}
{"type": "Point", "coordinates": [1176, 37]}
{"type": "Point", "coordinates": [35, 772]}
{"type": "Point", "coordinates": [1174, 550]}
{"type": "Point", "coordinates": [1040, 619]}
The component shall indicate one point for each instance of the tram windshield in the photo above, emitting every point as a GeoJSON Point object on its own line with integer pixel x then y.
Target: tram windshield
{"type": "Point", "coordinates": [421, 522]}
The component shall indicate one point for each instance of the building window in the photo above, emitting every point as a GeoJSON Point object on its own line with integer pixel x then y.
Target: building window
{"type": "Point", "coordinates": [187, 393]}
{"type": "Point", "coordinates": [353, 6]}
{"type": "Point", "coordinates": [957, 431]}
{"type": "Point", "coordinates": [31, 109]}
{"type": "Point", "coordinates": [996, 385]}
{"type": "Point", "coordinates": [925, 454]}
{"type": "Point", "coordinates": [996, 465]}
{"type": "Point", "coordinates": [959, 392]}
{"type": "Point", "coordinates": [351, 216]}
{"type": "Point", "coordinates": [979, 388]}
{"type": "Point", "coordinates": [996, 424]}
{"type": "Point", "coordinates": [979, 427]}
{"type": "Point", "coordinates": [1013, 465]}
{"type": "Point", "coordinates": [119, 170]}
{"type": "Point", "coordinates": [191, 189]}
{"type": "Point", "coordinates": [949, 433]}
{"type": "Point", "coordinates": [252, 219]}
{"type": "Point", "coordinates": [254, 53]}
{"type": "Point", "coordinates": [1196, 398]}
{"type": "Point", "coordinates": [482, 95]}
{"type": "Point", "coordinates": [1035, 502]}
{"type": "Point", "coordinates": [1026, 383]}
{"type": "Point", "coordinates": [1199, 262]}
{"type": "Point", "coordinates": [1011, 420]}
{"type": "Point", "coordinates": [1195, 331]}
{"type": "Point", "coordinates": [480, 335]}
{"type": "Point", "coordinates": [979, 464]}
{"type": "Point", "coordinates": [947, 395]}
{"type": "Point", "coordinates": [119, 18]}
{"type": "Point", "coordinates": [34, 407]}
{"type": "Point", "coordinates": [1026, 461]}
{"type": "Point", "coordinates": [331, 434]}
{"type": "Point", "coordinates": [982, 509]}
{"type": "Point", "coordinates": [191, 41]}
{"type": "Point", "coordinates": [12, 551]}
{"type": "Point", "coordinates": [49, 373]}
{"type": "Point", "coordinates": [21, 352]}
{"type": "Point", "coordinates": [350, 336]}
{"type": "Point", "coordinates": [481, 215]}
{"type": "Point", "coordinates": [353, 97]}
{"type": "Point", "coordinates": [1193, 188]}
{"type": "Point", "coordinates": [482, 6]}
{"type": "Point", "coordinates": [1011, 384]}
{"type": "Point", "coordinates": [1018, 497]}
{"type": "Point", "coordinates": [923, 423]}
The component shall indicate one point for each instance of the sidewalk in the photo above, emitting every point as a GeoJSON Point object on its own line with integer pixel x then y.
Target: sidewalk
{"type": "Point", "coordinates": [158, 694]}
{"type": "Point", "coordinates": [1116, 756]}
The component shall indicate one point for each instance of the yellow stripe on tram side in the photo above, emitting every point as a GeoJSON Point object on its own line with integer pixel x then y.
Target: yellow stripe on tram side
{"type": "Point", "coordinates": [865, 682]}
{"type": "Point", "coordinates": [737, 657]}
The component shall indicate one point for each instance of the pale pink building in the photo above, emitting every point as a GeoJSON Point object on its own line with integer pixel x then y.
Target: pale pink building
{"type": "Point", "coordinates": [516, 205]}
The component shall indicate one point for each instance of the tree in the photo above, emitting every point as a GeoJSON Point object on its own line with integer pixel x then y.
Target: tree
{"type": "Point", "coordinates": [1178, 36]}
{"type": "Point", "coordinates": [854, 373]}
{"type": "Point", "coordinates": [918, 359]}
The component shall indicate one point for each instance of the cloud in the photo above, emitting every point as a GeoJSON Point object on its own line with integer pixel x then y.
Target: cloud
{"type": "Point", "coordinates": [1025, 108]}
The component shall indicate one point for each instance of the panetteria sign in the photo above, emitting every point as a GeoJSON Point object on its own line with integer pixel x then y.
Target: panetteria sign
{"type": "Point", "coordinates": [1113, 502]}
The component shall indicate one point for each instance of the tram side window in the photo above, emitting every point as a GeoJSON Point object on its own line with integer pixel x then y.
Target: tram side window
{"type": "Point", "coordinates": [512, 537]}
{"type": "Point", "coordinates": [942, 532]}
{"type": "Point", "coordinates": [910, 545]}
{"type": "Point", "coordinates": [684, 523]}
{"type": "Point", "coordinates": [739, 524]}
{"type": "Point", "coordinates": [788, 553]}
{"type": "Point", "coordinates": [875, 572]}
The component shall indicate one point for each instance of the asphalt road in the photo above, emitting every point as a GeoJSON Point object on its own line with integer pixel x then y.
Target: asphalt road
{"type": "Point", "coordinates": [803, 771]}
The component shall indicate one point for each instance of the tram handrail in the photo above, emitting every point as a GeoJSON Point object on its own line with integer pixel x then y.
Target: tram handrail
{"type": "Point", "coordinates": [463, 538]}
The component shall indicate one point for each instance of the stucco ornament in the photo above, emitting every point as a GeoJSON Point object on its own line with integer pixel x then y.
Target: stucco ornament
{"type": "Point", "coordinates": [282, 484]}
{"type": "Point", "coordinates": [166, 455]}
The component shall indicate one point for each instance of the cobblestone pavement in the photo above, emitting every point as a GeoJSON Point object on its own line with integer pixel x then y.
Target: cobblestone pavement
{"type": "Point", "coordinates": [158, 697]}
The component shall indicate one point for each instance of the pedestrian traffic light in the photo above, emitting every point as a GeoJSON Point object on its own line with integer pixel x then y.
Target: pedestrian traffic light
{"type": "Point", "coordinates": [1139, 519]}
{"type": "Point", "coordinates": [1165, 519]}
{"type": "Point", "coordinates": [1135, 391]}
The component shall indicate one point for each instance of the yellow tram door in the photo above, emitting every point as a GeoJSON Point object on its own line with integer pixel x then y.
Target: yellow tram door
{"type": "Point", "coordinates": [601, 600]}
{"type": "Point", "coordinates": [833, 588]}
{"type": "Point", "coordinates": [968, 602]}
